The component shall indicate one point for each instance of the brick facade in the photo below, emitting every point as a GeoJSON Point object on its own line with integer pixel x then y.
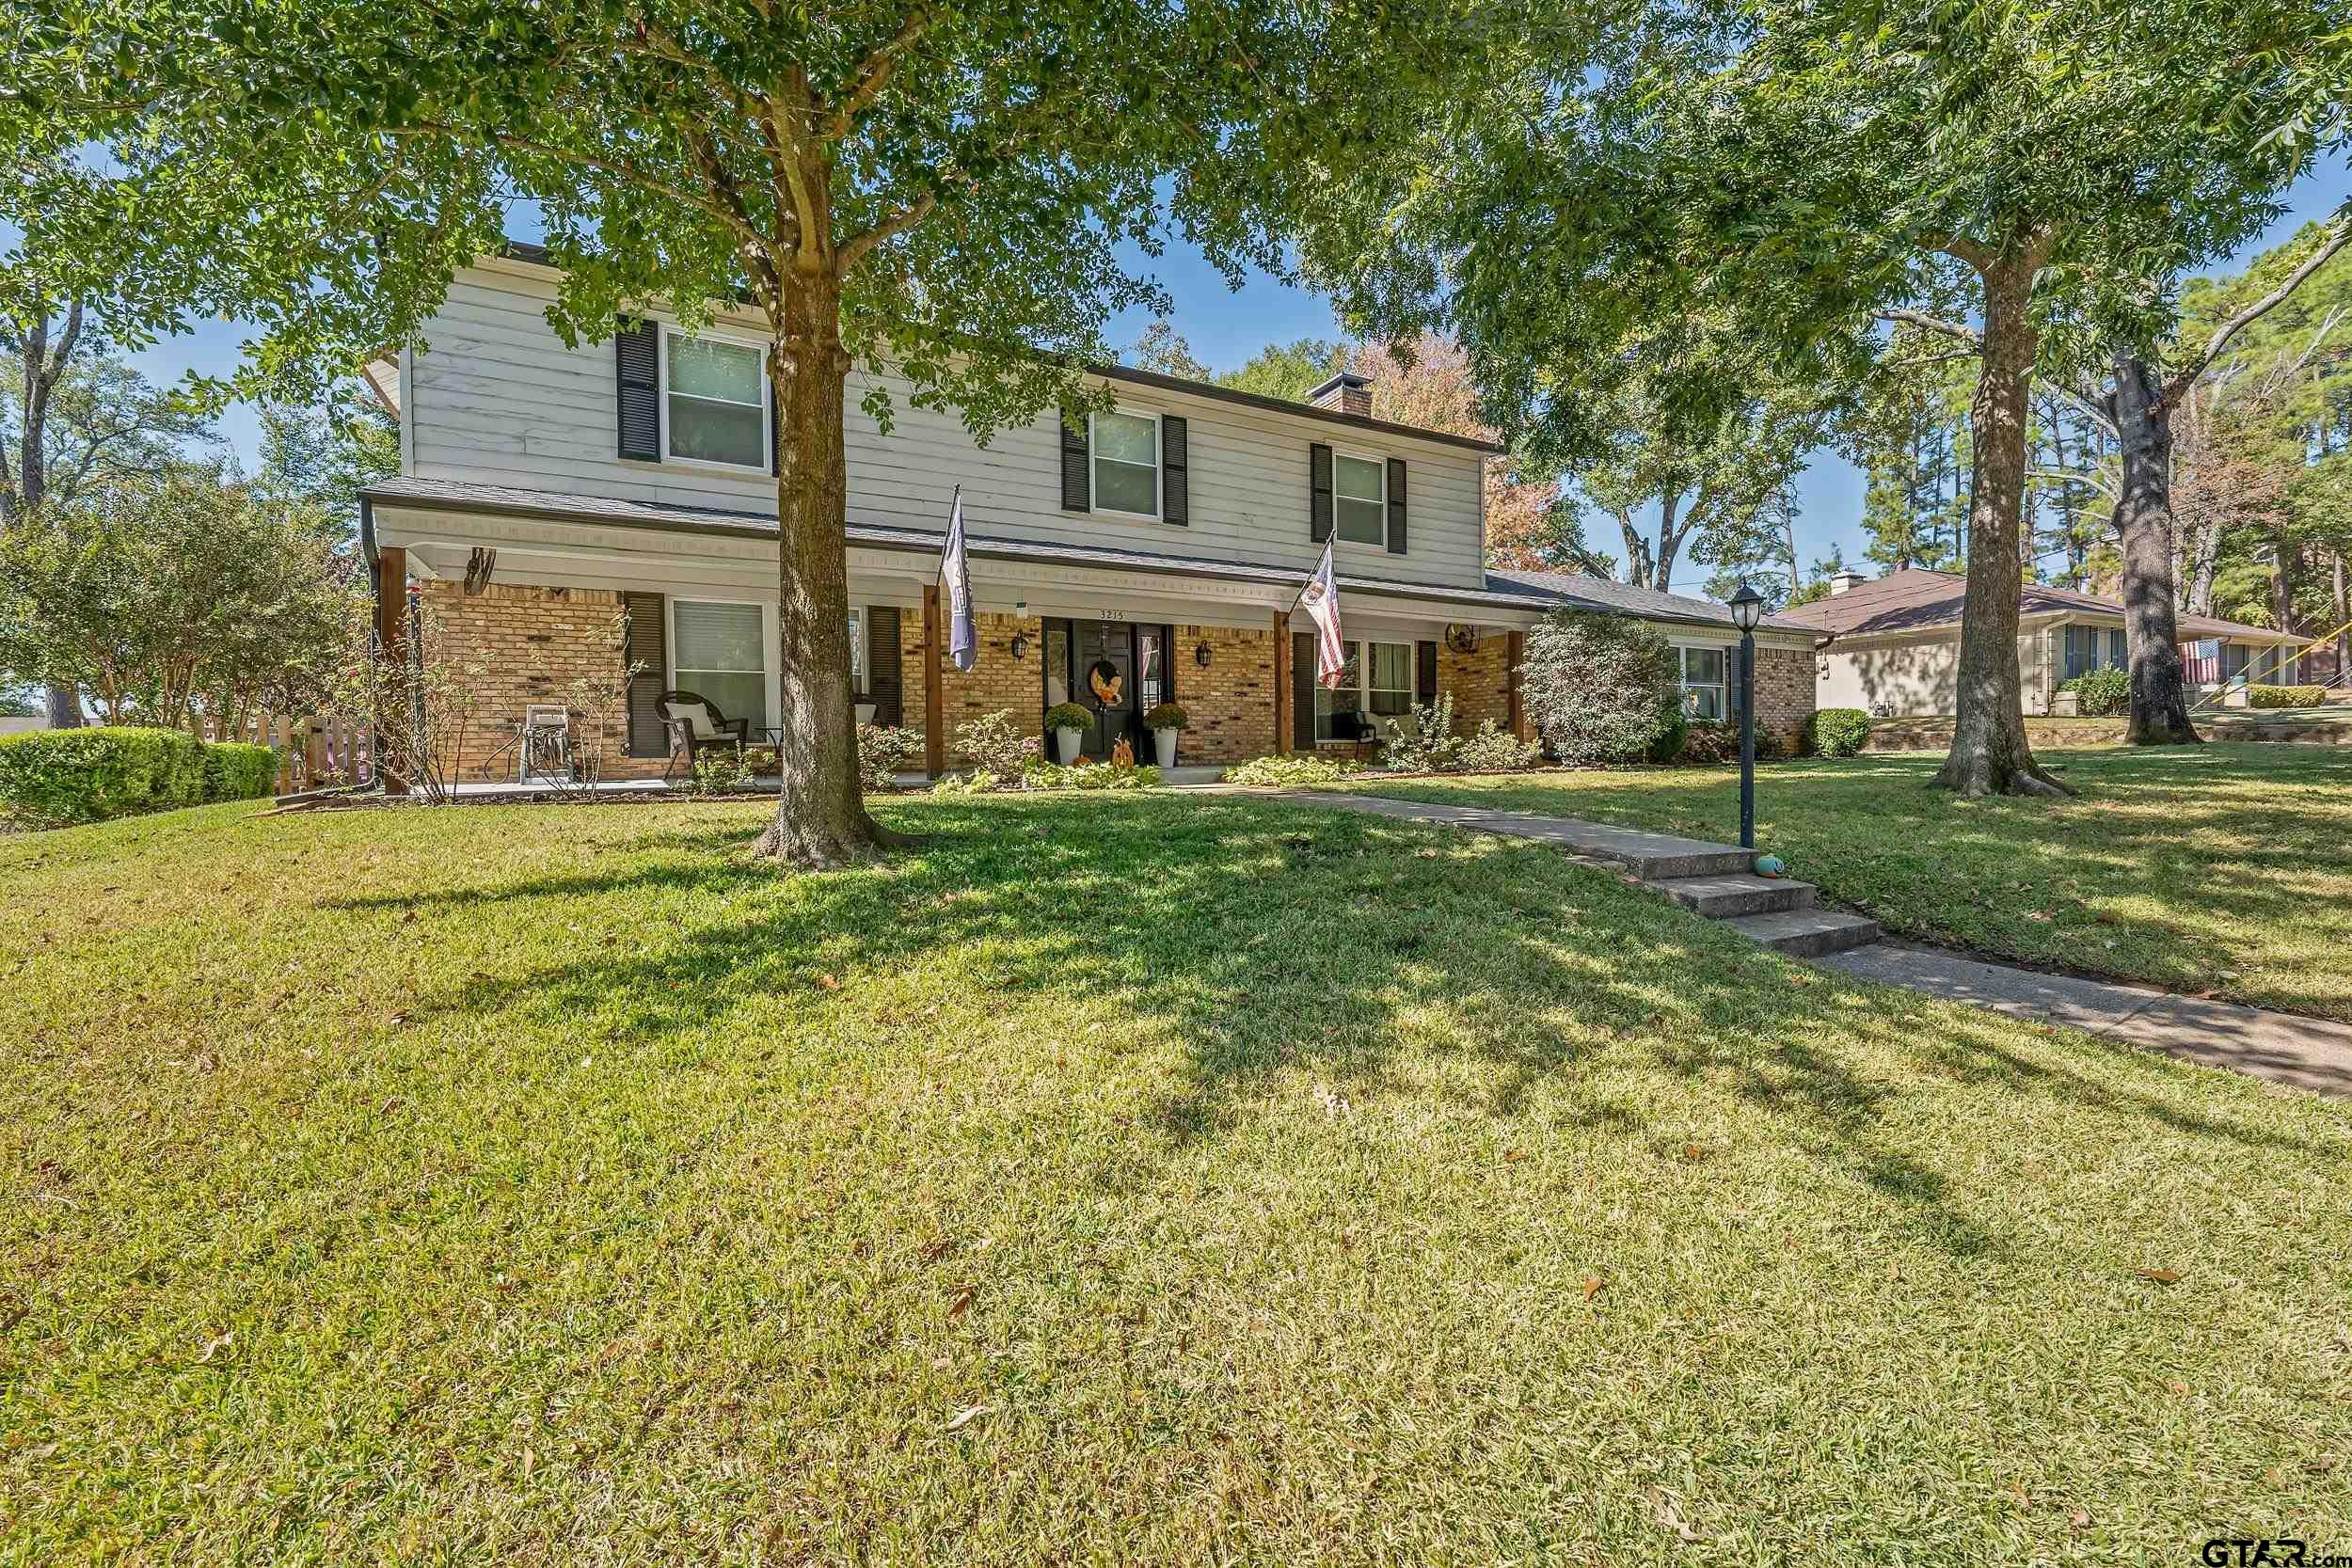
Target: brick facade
{"type": "Point", "coordinates": [1480, 682]}
{"type": "Point", "coordinates": [528, 645]}
{"type": "Point", "coordinates": [1231, 704]}
{"type": "Point", "coordinates": [1784, 693]}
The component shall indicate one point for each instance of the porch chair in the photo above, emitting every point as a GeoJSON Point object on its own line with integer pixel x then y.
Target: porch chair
{"type": "Point", "coordinates": [1351, 724]}
{"type": "Point", "coordinates": [695, 725]}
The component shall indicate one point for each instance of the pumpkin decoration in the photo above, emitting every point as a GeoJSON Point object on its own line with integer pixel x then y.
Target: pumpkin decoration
{"type": "Point", "coordinates": [1122, 754]}
{"type": "Point", "coordinates": [1104, 679]}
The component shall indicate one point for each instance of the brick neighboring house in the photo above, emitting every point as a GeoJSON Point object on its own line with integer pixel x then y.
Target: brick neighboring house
{"type": "Point", "coordinates": [547, 492]}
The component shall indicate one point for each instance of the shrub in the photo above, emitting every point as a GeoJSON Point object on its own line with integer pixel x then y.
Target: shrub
{"type": "Point", "coordinates": [2101, 693]}
{"type": "Point", "coordinates": [1674, 729]}
{"type": "Point", "coordinates": [1300, 772]}
{"type": "Point", "coordinates": [994, 745]}
{"type": "Point", "coordinates": [883, 752]}
{"type": "Point", "coordinates": [1600, 686]}
{"type": "Point", "coordinates": [1709, 742]}
{"type": "Point", "coordinates": [235, 772]}
{"type": "Point", "coordinates": [1168, 716]}
{"type": "Point", "coordinates": [2286, 696]}
{"type": "Point", "coordinates": [979, 781]}
{"type": "Point", "coordinates": [1089, 775]}
{"type": "Point", "coordinates": [1422, 741]}
{"type": "Point", "coordinates": [1837, 732]}
{"type": "Point", "coordinates": [1068, 715]}
{"type": "Point", "coordinates": [1494, 748]}
{"type": "Point", "coordinates": [49, 778]}
{"type": "Point", "coordinates": [721, 770]}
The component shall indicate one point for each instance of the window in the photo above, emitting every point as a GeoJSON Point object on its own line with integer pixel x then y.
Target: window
{"type": "Point", "coordinates": [1360, 495]}
{"type": "Point", "coordinates": [2119, 654]}
{"type": "Point", "coordinates": [716, 402]}
{"type": "Point", "coordinates": [1152, 682]}
{"type": "Point", "coordinates": [721, 653]}
{"type": "Point", "coordinates": [1704, 688]}
{"type": "Point", "coordinates": [2234, 656]}
{"type": "Point", "coordinates": [1376, 680]}
{"type": "Point", "coordinates": [1056, 664]}
{"type": "Point", "coordinates": [1127, 463]}
{"type": "Point", "coordinates": [857, 651]}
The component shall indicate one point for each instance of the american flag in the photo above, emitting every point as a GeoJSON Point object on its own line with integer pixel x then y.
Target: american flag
{"type": "Point", "coordinates": [1322, 598]}
{"type": "Point", "coordinates": [956, 566]}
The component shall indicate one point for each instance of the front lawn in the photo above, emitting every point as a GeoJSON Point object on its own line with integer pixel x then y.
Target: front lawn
{"type": "Point", "coordinates": [2216, 868]}
{"type": "Point", "coordinates": [1113, 1179]}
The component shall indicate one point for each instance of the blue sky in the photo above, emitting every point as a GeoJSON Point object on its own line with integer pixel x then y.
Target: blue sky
{"type": "Point", "coordinates": [1226, 326]}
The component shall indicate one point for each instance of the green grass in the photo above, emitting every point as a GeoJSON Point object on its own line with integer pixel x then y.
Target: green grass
{"type": "Point", "coordinates": [2218, 869]}
{"type": "Point", "coordinates": [543, 1185]}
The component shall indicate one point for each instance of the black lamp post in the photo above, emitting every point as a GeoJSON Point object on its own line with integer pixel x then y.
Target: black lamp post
{"type": "Point", "coordinates": [1747, 608]}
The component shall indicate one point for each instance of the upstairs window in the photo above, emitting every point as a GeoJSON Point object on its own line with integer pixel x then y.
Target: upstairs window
{"type": "Point", "coordinates": [715, 402]}
{"type": "Point", "coordinates": [1360, 495]}
{"type": "Point", "coordinates": [1127, 463]}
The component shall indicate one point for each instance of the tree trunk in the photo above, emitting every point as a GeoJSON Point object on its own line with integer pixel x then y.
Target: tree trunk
{"type": "Point", "coordinates": [821, 817]}
{"type": "Point", "coordinates": [1990, 756]}
{"type": "Point", "coordinates": [2343, 614]}
{"type": "Point", "coordinates": [2143, 519]}
{"type": "Point", "coordinates": [1637, 556]}
{"type": "Point", "coordinates": [2283, 580]}
{"type": "Point", "coordinates": [42, 366]}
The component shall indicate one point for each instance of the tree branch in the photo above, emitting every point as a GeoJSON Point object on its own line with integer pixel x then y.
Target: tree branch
{"type": "Point", "coordinates": [2333, 240]}
{"type": "Point", "coordinates": [1968, 335]}
{"type": "Point", "coordinates": [874, 73]}
{"type": "Point", "coordinates": [896, 222]}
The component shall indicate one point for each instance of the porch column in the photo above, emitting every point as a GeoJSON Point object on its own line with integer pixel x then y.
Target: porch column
{"type": "Point", "coordinates": [1514, 654]}
{"type": "Point", "coordinates": [1281, 680]}
{"type": "Point", "coordinates": [934, 744]}
{"type": "Point", "coordinates": [391, 641]}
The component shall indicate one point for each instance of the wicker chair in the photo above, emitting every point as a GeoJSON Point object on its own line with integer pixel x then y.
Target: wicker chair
{"type": "Point", "coordinates": [697, 725]}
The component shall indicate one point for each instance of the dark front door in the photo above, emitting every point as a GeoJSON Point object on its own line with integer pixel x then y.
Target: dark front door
{"type": "Point", "coordinates": [1106, 683]}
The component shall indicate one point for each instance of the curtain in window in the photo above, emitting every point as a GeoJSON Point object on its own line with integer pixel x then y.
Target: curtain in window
{"type": "Point", "coordinates": [721, 655]}
{"type": "Point", "coordinates": [718, 403]}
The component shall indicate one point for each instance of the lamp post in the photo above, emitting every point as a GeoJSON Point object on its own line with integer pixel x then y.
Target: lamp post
{"type": "Point", "coordinates": [1747, 608]}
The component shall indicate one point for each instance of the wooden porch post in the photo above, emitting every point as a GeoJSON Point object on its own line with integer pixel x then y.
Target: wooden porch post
{"type": "Point", "coordinates": [934, 746]}
{"type": "Point", "coordinates": [391, 641]}
{"type": "Point", "coordinates": [1515, 654]}
{"type": "Point", "coordinates": [1281, 680]}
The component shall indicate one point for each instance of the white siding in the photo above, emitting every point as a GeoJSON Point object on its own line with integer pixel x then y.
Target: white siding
{"type": "Point", "coordinates": [1916, 679]}
{"type": "Point", "coordinates": [496, 398]}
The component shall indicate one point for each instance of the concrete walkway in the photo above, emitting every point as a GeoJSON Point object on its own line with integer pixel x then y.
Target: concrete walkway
{"type": "Point", "coordinates": [2279, 1048]}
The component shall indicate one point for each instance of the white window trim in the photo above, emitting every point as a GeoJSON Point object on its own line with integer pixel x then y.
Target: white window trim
{"type": "Point", "coordinates": [771, 648]}
{"type": "Point", "coordinates": [1728, 686]}
{"type": "Point", "coordinates": [1159, 466]}
{"type": "Point", "coordinates": [1380, 466]}
{"type": "Point", "coordinates": [857, 651]}
{"type": "Point", "coordinates": [767, 409]}
{"type": "Point", "coordinates": [1363, 688]}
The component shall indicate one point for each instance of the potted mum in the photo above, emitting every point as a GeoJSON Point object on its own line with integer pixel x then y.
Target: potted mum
{"type": "Point", "coordinates": [1165, 722]}
{"type": "Point", "coordinates": [1067, 723]}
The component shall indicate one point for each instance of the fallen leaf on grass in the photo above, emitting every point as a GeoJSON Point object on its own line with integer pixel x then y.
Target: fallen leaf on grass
{"type": "Point", "coordinates": [1512, 1157]}
{"type": "Point", "coordinates": [216, 1348]}
{"type": "Point", "coordinates": [2179, 1388]}
{"type": "Point", "coordinates": [2162, 1276]}
{"type": "Point", "coordinates": [1693, 1152]}
{"type": "Point", "coordinates": [398, 1019]}
{"type": "Point", "coordinates": [828, 982]}
{"type": "Point", "coordinates": [2079, 1519]}
{"type": "Point", "coordinates": [957, 1307]}
{"type": "Point", "coordinates": [935, 1250]}
{"type": "Point", "coordinates": [1671, 1520]}
{"type": "Point", "coordinates": [1592, 1287]}
{"type": "Point", "coordinates": [969, 1414]}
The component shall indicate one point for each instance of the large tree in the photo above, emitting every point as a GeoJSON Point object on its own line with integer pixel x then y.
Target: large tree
{"type": "Point", "coordinates": [946, 191]}
{"type": "Point", "coordinates": [1811, 172]}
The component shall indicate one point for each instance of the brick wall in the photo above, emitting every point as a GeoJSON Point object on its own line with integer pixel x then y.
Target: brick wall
{"type": "Point", "coordinates": [1784, 693]}
{"type": "Point", "coordinates": [528, 645]}
{"type": "Point", "coordinates": [1231, 704]}
{"type": "Point", "coordinates": [1480, 682]}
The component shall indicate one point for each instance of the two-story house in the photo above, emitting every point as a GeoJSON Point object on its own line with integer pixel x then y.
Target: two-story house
{"type": "Point", "coordinates": [544, 489]}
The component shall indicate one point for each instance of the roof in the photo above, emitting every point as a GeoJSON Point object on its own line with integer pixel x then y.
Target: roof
{"type": "Point", "coordinates": [1916, 599]}
{"type": "Point", "coordinates": [536, 255]}
{"type": "Point", "coordinates": [1651, 604]}
{"type": "Point", "coordinates": [1527, 591]}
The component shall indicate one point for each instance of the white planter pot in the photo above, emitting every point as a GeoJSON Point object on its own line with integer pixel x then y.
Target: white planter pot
{"type": "Point", "coordinates": [1066, 746]}
{"type": "Point", "coordinates": [864, 714]}
{"type": "Point", "coordinates": [1165, 741]}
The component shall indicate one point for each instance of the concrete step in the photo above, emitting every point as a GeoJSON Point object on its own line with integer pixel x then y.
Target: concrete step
{"type": "Point", "coordinates": [1808, 933]}
{"type": "Point", "coordinates": [1736, 893]}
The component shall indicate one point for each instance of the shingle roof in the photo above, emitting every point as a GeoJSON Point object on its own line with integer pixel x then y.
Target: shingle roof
{"type": "Point", "coordinates": [1916, 599]}
{"type": "Point", "coordinates": [1649, 603]}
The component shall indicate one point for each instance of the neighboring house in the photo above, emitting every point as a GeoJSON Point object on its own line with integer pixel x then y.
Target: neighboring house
{"type": "Point", "coordinates": [1166, 541]}
{"type": "Point", "coordinates": [14, 724]}
{"type": "Point", "coordinates": [1892, 645]}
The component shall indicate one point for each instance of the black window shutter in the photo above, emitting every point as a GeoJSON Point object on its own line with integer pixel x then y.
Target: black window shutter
{"type": "Point", "coordinates": [1175, 469]}
{"type": "Point", "coordinates": [1425, 661]}
{"type": "Point", "coordinates": [1303, 689]}
{"type": "Point", "coordinates": [1077, 489]}
{"type": "Point", "coordinates": [637, 388]}
{"type": "Point", "coordinates": [645, 737]}
{"type": "Point", "coordinates": [881, 663]}
{"type": "Point", "coordinates": [1318, 492]}
{"type": "Point", "coordinates": [1396, 506]}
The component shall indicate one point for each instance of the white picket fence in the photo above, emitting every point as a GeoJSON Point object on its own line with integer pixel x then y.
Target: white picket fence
{"type": "Point", "coordinates": [313, 753]}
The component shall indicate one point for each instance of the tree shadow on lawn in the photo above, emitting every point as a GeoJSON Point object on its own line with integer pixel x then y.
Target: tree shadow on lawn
{"type": "Point", "coordinates": [1274, 940]}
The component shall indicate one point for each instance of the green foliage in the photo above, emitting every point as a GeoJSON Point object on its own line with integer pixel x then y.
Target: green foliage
{"type": "Point", "coordinates": [1162, 349]}
{"type": "Point", "coordinates": [15, 706]}
{"type": "Point", "coordinates": [1294, 770]}
{"type": "Point", "coordinates": [1289, 371]}
{"type": "Point", "coordinates": [2101, 693]}
{"type": "Point", "coordinates": [1168, 716]}
{"type": "Point", "coordinates": [236, 771]}
{"type": "Point", "coordinates": [1492, 749]}
{"type": "Point", "coordinates": [1089, 775]}
{"type": "Point", "coordinates": [884, 752]}
{"type": "Point", "coordinates": [1068, 715]}
{"type": "Point", "coordinates": [720, 771]}
{"type": "Point", "coordinates": [1598, 686]}
{"type": "Point", "coordinates": [979, 781]}
{"type": "Point", "coordinates": [2286, 696]}
{"type": "Point", "coordinates": [994, 746]}
{"type": "Point", "coordinates": [49, 778]}
{"type": "Point", "coordinates": [1709, 742]}
{"type": "Point", "coordinates": [1674, 728]}
{"type": "Point", "coordinates": [1423, 740]}
{"type": "Point", "coordinates": [1837, 732]}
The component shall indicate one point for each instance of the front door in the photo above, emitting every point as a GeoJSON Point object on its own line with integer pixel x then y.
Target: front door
{"type": "Point", "coordinates": [1106, 683]}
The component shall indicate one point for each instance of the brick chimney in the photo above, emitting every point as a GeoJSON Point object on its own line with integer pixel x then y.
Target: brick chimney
{"type": "Point", "coordinates": [1840, 581]}
{"type": "Point", "coordinates": [1344, 394]}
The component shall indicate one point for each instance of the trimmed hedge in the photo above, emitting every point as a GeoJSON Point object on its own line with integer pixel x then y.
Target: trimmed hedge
{"type": "Point", "coordinates": [52, 778]}
{"type": "Point", "coordinates": [2286, 696]}
{"type": "Point", "coordinates": [235, 772]}
{"type": "Point", "coordinates": [1837, 732]}
{"type": "Point", "coordinates": [2101, 693]}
